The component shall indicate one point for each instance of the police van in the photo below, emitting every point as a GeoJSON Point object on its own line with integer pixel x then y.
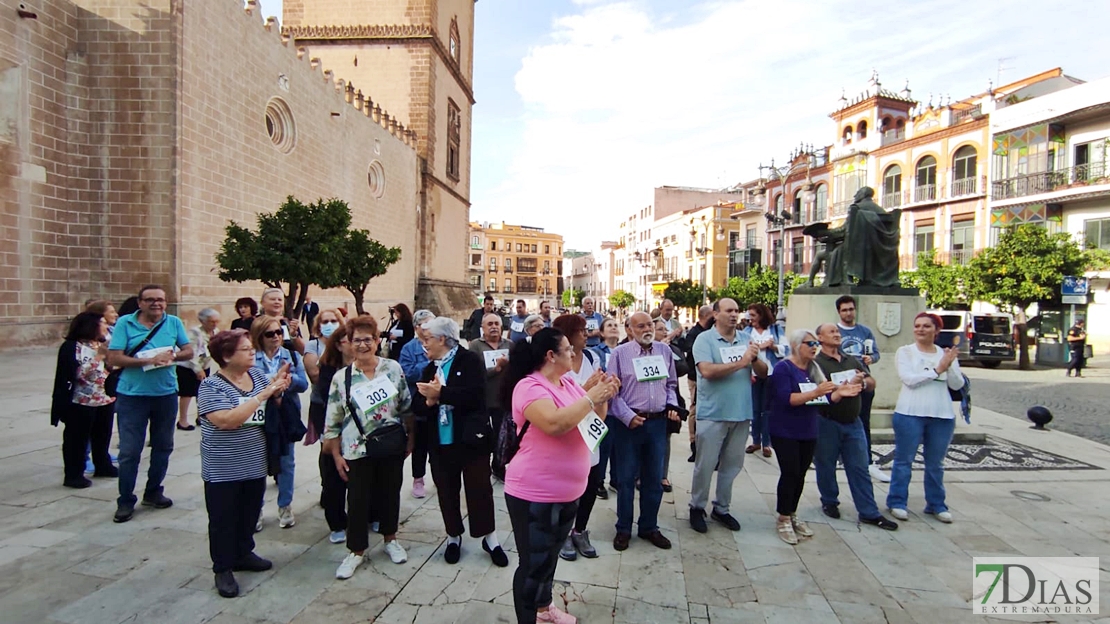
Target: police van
{"type": "Point", "coordinates": [985, 337]}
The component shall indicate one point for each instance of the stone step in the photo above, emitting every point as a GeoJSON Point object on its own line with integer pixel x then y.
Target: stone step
{"type": "Point", "coordinates": [883, 433]}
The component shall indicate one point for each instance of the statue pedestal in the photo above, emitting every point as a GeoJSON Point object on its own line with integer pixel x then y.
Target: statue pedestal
{"type": "Point", "coordinates": [889, 315]}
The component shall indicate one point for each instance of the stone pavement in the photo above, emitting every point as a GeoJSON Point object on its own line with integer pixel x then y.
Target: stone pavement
{"type": "Point", "coordinates": [63, 560]}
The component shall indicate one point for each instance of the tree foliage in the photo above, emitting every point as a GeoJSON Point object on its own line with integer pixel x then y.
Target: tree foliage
{"type": "Point", "coordinates": [1025, 267]}
{"type": "Point", "coordinates": [622, 300]}
{"type": "Point", "coordinates": [572, 297]}
{"type": "Point", "coordinates": [684, 294]}
{"type": "Point", "coordinates": [762, 286]}
{"type": "Point", "coordinates": [945, 286]}
{"type": "Point", "coordinates": [361, 259]}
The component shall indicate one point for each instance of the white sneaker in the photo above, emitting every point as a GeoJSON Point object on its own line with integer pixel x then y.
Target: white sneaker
{"type": "Point", "coordinates": [877, 474]}
{"type": "Point", "coordinates": [900, 514]}
{"type": "Point", "coordinates": [337, 537]}
{"type": "Point", "coordinates": [347, 569]}
{"type": "Point", "coordinates": [396, 552]}
{"type": "Point", "coordinates": [944, 517]}
{"type": "Point", "coordinates": [285, 517]}
{"type": "Point", "coordinates": [258, 525]}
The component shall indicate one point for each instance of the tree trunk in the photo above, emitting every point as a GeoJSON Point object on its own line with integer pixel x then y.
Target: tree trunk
{"type": "Point", "coordinates": [1023, 347]}
{"type": "Point", "coordinates": [299, 301]}
{"type": "Point", "coordinates": [360, 295]}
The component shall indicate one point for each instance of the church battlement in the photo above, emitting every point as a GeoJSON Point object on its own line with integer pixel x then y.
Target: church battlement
{"type": "Point", "coordinates": [344, 90]}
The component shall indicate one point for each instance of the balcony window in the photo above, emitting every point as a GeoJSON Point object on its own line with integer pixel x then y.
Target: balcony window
{"type": "Point", "coordinates": [892, 187]}
{"type": "Point", "coordinates": [797, 254]}
{"type": "Point", "coordinates": [750, 237]}
{"type": "Point", "coordinates": [797, 207]}
{"type": "Point", "coordinates": [847, 135]}
{"type": "Point", "coordinates": [476, 260]}
{"type": "Point", "coordinates": [926, 187]}
{"type": "Point", "coordinates": [508, 285]}
{"type": "Point", "coordinates": [547, 248]}
{"type": "Point", "coordinates": [963, 171]}
{"type": "Point", "coordinates": [508, 265]}
{"type": "Point", "coordinates": [963, 241]}
{"type": "Point", "coordinates": [493, 245]}
{"type": "Point", "coordinates": [861, 130]}
{"type": "Point", "coordinates": [922, 240]}
{"type": "Point", "coordinates": [526, 265]}
{"type": "Point", "coordinates": [821, 203]}
{"type": "Point", "coordinates": [1097, 233]}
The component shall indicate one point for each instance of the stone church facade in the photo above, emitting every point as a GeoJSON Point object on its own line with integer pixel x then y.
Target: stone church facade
{"type": "Point", "coordinates": [132, 131]}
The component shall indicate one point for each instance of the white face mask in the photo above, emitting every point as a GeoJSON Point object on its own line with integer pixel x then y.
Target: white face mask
{"type": "Point", "coordinates": [328, 327]}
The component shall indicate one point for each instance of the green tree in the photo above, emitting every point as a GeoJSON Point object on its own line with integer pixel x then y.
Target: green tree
{"type": "Point", "coordinates": [762, 286]}
{"type": "Point", "coordinates": [622, 300]}
{"type": "Point", "coordinates": [359, 260]}
{"type": "Point", "coordinates": [685, 294]}
{"type": "Point", "coordinates": [944, 285]}
{"type": "Point", "coordinates": [572, 297]}
{"type": "Point", "coordinates": [1025, 267]}
{"type": "Point", "coordinates": [292, 249]}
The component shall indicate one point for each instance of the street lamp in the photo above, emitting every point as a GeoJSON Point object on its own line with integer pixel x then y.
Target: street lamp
{"type": "Point", "coordinates": [546, 272]}
{"type": "Point", "coordinates": [706, 251]}
{"type": "Point", "coordinates": [644, 260]}
{"type": "Point", "coordinates": [779, 220]}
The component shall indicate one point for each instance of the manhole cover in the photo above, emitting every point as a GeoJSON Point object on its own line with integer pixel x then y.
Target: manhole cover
{"type": "Point", "coordinates": [1030, 496]}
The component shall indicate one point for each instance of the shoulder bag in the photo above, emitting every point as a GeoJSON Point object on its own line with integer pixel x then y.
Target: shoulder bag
{"type": "Point", "coordinates": [112, 382]}
{"type": "Point", "coordinates": [389, 441]}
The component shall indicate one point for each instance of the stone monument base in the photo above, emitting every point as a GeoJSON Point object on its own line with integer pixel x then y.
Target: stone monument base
{"type": "Point", "coordinates": [453, 299]}
{"type": "Point", "coordinates": [889, 315]}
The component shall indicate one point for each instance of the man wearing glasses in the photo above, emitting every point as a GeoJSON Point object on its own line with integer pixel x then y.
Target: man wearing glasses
{"type": "Point", "coordinates": [858, 342]}
{"type": "Point", "coordinates": [145, 345]}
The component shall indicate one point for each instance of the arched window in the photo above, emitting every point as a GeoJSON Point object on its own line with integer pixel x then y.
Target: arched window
{"type": "Point", "coordinates": [885, 124]}
{"type": "Point", "coordinates": [925, 188]}
{"type": "Point", "coordinates": [861, 130]}
{"type": "Point", "coordinates": [892, 187]}
{"type": "Point", "coordinates": [847, 136]}
{"type": "Point", "coordinates": [778, 204]}
{"type": "Point", "coordinates": [798, 210]}
{"type": "Point", "coordinates": [821, 203]}
{"type": "Point", "coordinates": [901, 123]}
{"type": "Point", "coordinates": [963, 171]}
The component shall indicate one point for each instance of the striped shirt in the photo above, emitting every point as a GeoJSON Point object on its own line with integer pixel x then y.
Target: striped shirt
{"type": "Point", "coordinates": [641, 396]}
{"type": "Point", "coordinates": [230, 454]}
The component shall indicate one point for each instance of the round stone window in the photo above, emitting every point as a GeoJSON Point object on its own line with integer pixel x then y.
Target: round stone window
{"type": "Point", "coordinates": [280, 125]}
{"type": "Point", "coordinates": [375, 177]}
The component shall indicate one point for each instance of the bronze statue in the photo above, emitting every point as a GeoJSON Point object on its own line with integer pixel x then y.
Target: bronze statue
{"type": "Point", "coordinates": [863, 251]}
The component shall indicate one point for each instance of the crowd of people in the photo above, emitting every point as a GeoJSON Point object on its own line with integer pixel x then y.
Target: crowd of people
{"type": "Point", "coordinates": [548, 406]}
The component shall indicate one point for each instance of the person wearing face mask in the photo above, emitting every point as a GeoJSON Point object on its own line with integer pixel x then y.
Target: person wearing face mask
{"type": "Point", "coordinates": [324, 325]}
{"type": "Point", "coordinates": [413, 361]}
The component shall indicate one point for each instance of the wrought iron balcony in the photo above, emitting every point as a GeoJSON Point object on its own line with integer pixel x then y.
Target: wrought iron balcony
{"type": "Point", "coordinates": [892, 200]}
{"type": "Point", "coordinates": [894, 136]}
{"type": "Point", "coordinates": [925, 192]}
{"type": "Point", "coordinates": [974, 112]}
{"type": "Point", "coordinates": [963, 186]}
{"type": "Point", "coordinates": [1049, 181]}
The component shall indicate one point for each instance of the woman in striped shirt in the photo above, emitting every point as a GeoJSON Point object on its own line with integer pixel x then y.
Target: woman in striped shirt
{"type": "Point", "coordinates": [232, 409]}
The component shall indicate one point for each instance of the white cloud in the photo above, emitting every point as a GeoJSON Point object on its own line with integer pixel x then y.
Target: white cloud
{"type": "Point", "coordinates": [619, 99]}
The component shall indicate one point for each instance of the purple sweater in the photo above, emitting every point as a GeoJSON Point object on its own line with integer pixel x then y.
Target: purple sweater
{"type": "Point", "coordinates": [795, 423]}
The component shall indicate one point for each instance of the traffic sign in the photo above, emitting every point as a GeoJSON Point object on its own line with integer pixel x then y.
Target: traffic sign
{"type": "Point", "coordinates": [1073, 285]}
{"type": "Point", "coordinates": [1074, 299]}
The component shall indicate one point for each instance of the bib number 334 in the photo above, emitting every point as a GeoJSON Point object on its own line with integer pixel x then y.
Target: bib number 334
{"type": "Point", "coordinates": [650, 368]}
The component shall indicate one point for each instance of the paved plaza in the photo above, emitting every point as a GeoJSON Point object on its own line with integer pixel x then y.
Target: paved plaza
{"type": "Point", "coordinates": [63, 560]}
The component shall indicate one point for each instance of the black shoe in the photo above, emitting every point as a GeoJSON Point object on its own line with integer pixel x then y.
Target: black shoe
{"type": "Point", "coordinates": [732, 523]}
{"type": "Point", "coordinates": [881, 522]}
{"type": "Point", "coordinates": [693, 452]}
{"type": "Point", "coordinates": [656, 538]}
{"type": "Point", "coordinates": [157, 501]}
{"type": "Point", "coordinates": [697, 520]}
{"type": "Point", "coordinates": [602, 492]}
{"type": "Point", "coordinates": [79, 483]}
{"type": "Point", "coordinates": [832, 511]}
{"type": "Point", "coordinates": [500, 559]}
{"type": "Point", "coordinates": [452, 554]}
{"type": "Point", "coordinates": [667, 487]}
{"type": "Point", "coordinates": [253, 563]}
{"type": "Point", "coordinates": [109, 471]}
{"type": "Point", "coordinates": [226, 584]}
{"type": "Point", "coordinates": [123, 513]}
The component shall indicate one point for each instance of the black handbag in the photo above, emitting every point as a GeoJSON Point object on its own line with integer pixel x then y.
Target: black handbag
{"type": "Point", "coordinates": [389, 441]}
{"type": "Point", "coordinates": [478, 433]}
{"type": "Point", "coordinates": [112, 382]}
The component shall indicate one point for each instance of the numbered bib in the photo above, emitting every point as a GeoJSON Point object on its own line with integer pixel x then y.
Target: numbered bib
{"type": "Point", "coordinates": [493, 356]}
{"type": "Point", "coordinates": [593, 430]}
{"type": "Point", "coordinates": [732, 354]}
{"type": "Point", "coordinates": [810, 387]}
{"type": "Point", "coordinates": [373, 394]}
{"type": "Point", "coordinates": [86, 354]}
{"type": "Point", "coordinates": [258, 417]}
{"type": "Point", "coordinates": [517, 326]}
{"type": "Point", "coordinates": [149, 353]}
{"type": "Point", "coordinates": [650, 368]}
{"type": "Point", "coordinates": [591, 324]}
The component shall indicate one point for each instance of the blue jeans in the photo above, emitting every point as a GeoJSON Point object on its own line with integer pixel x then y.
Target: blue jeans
{"type": "Point", "coordinates": [909, 433]}
{"type": "Point", "coordinates": [761, 423]}
{"type": "Point", "coordinates": [849, 442]}
{"type": "Point", "coordinates": [638, 453]}
{"type": "Point", "coordinates": [285, 477]}
{"type": "Point", "coordinates": [134, 414]}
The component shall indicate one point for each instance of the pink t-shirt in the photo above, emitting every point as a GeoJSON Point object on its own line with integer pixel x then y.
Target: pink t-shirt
{"type": "Point", "coordinates": [547, 469]}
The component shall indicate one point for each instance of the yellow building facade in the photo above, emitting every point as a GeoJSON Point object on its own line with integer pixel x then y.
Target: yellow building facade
{"type": "Point", "coordinates": [520, 262]}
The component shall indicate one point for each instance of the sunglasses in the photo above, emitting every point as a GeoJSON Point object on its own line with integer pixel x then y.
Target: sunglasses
{"type": "Point", "coordinates": [813, 344]}
{"type": "Point", "coordinates": [272, 333]}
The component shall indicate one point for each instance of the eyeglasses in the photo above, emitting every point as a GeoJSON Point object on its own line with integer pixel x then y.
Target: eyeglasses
{"type": "Point", "coordinates": [812, 344]}
{"type": "Point", "coordinates": [272, 333]}
{"type": "Point", "coordinates": [153, 300]}
{"type": "Point", "coordinates": [362, 341]}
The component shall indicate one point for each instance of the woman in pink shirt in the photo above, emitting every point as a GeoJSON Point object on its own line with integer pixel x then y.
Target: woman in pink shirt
{"type": "Point", "coordinates": [547, 475]}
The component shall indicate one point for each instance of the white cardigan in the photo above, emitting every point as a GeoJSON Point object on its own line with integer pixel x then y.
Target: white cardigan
{"type": "Point", "coordinates": [924, 391]}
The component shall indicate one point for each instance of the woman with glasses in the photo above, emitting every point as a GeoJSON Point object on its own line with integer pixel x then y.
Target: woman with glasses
{"type": "Point", "coordinates": [369, 452]}
{"type": "Point", "coordinates": [267, 337]}
{"type": "Point", "coordinates": [796, 389]}
{"type": "Point", "coordinates": [232, 407]}
{"type": "Point", "coordinates": [194, 371]}
{"type": "Point", "coordinates": [532, 324]}
{"type": "Point", "coordinates": [333, 493]}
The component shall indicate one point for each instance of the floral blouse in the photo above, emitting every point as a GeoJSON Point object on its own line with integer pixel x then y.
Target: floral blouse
{"type": "Point", "coordinates": [339, 423]}
{"type": "Point", "coordinates": [88, 387]}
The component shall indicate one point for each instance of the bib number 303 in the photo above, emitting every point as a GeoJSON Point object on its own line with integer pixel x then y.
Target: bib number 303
{"type": "Point", "coordinates": [373, 394]}
{"type": "Point", "coordinates": [593, 431]}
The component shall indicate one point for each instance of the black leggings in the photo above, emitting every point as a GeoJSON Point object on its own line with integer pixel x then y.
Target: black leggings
{"type": "Point", "coordinates": [539, 530]}
{"type": "Point", "coordinates": [589, 497]}
{"type": "Point", "coordinates": [85, 424]}
{"type": "Point", "coordinates": [419, 457]}
{"type": "Point", "coordinates": [794, 457]}
{"type": "Point", "coordinates": [333, 496]}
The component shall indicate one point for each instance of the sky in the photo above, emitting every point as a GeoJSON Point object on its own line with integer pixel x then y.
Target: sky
{"type": "Point", "coordinates": [585, 106]}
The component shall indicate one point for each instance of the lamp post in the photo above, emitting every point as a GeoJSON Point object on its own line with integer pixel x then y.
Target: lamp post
{"type": "Point", "coordinates": [706, 251]}
{"type": "Point", "coordinates": [644, 260]}
{"type": "Point", "coordinates": [778, 220]}
{"type": "Point", "coordinates": [545, 273]}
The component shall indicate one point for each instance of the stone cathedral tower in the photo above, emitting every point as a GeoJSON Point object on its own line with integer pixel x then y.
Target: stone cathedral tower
{"type": "Point", "coordinates": [415, 58]}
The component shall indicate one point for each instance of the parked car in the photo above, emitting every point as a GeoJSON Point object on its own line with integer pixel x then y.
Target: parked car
{"type": "Point", "coordinates": [985, 337]}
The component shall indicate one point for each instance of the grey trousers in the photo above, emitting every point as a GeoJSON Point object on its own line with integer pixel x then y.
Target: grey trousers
{"type": "Point", "coordinates": [720, 444]}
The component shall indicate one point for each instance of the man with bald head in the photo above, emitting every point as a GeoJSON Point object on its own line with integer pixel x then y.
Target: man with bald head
{"type": "Point", "coordinates": [639, 413]}
{"type": "Point", "coordinates": [726, 359]}
{"type": "Point", "coordinates": [494, 350]}
{"type": "Point", "coordinates": [840, 432]}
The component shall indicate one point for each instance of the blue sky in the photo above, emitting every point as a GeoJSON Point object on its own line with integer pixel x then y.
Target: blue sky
{"type": "Point", "coordinates": [584, 106]}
